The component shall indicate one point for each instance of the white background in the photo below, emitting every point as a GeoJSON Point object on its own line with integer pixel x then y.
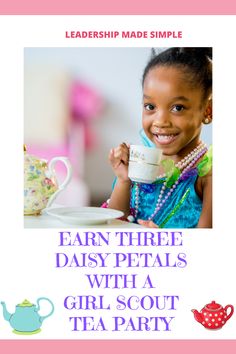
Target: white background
{"type": "Point", "coordinates": [27, 257]}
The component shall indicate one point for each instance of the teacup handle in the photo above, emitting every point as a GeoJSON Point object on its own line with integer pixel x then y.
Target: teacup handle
{"type": "Point", "coordinates": [51, 169]}
{"type": "Point", "coordinates": [38, 308]}
{"type": "Point", "coordinates": [231, 311]}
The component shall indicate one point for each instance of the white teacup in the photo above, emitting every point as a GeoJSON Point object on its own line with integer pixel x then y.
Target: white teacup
{"type": "Point", "coordinates": [144, 163]}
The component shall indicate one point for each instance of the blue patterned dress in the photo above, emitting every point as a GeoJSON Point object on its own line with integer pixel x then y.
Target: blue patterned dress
{"type": "Point", "coordinates": [183, 207]}
{"type": "Point", "coordinates": [181, 210]}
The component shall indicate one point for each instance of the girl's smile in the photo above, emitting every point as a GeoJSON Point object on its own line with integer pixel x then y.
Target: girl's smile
{"type": "Point", "coordinates": [173, 111]}
{"type": "Point", "coordinates": [164, 139]}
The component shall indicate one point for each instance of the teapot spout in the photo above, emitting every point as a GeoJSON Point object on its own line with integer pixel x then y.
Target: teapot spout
{"type": "Point", "coordinates": [198, 316]}
{"type": "Point", "coordinates": [7, 315]}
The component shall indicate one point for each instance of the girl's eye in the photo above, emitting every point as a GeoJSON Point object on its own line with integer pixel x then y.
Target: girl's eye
{"type": "Point", "coordinates": [149, 107]}
{"type": "Point", "coordinates": [178, 108]}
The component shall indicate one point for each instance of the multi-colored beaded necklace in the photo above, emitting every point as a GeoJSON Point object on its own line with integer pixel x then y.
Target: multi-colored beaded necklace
{"type": "Point", "coordinates": [171, 179]}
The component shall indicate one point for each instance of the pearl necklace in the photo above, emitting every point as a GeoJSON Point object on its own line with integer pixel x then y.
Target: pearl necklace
{"type": "Point", "coordinates": [185, 165]}
{"type": "Point", "coordinates": [188, 158]}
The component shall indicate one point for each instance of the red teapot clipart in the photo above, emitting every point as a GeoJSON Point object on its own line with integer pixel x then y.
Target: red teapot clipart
{"type": "Point", "coordinates": [213, 315]}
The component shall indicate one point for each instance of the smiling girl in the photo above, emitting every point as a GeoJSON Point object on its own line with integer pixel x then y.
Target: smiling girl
{"type": "Point", "coordinates": [177, 91]}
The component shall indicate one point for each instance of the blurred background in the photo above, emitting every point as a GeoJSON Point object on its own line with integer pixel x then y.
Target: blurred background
{"type": "Point", "coordinates": [81, 102]}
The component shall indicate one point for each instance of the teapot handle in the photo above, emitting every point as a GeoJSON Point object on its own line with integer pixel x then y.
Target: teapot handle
{"type": "Point", "coordinates": [231, 311]}
{"type": "Point", "coordinates": [51, 169]}
{"type": "Point", "coordinates": [38, 308]}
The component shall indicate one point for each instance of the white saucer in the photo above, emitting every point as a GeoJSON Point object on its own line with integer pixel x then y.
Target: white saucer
{"type": "Point", "coordinates": [84, 215]}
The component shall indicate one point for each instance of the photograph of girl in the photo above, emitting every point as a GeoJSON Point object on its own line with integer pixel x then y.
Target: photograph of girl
{"type": "Point", "coordinates": [177, 102]}
{"type": "Point", "coordinates": [158, 101]}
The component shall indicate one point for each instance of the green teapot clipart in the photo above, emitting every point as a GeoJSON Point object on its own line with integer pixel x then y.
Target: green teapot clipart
{"type": "Point", "coordinates": [26, 319]}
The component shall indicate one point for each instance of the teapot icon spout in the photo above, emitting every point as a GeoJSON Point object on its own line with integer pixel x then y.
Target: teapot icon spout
{"type": "Point", "coordinates": [198, 316]}
{"type": "Point", "coordinates": [7, 315]}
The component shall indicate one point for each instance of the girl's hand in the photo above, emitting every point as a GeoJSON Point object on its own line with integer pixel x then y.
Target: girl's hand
{"type": "Point", "coordinates": [148, 223]}
{"type": "Point", "coordinates": [119, 160]}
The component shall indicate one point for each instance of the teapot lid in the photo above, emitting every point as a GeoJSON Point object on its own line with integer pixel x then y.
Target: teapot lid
{"type": "Point", "coordinates": [31, 160]}
{"type": "Point", "coordinates": [213, 306]}
{"type": "Point", "coordinates": [25, 303]}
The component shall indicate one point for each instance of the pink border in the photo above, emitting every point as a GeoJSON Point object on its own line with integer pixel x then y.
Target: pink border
{"type": "Point", "coordinates": [118, 347]}
{"type": "Point", "coordinates": [105, 7]}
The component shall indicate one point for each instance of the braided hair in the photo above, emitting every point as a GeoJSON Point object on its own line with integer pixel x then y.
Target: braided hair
{"type": "Point", "coordinates": [196, 63]}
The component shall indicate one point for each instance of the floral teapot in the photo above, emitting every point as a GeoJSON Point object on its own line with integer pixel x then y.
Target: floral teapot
{"type": "Point", "coordinates": [26, 319]}
{"type": "Point", "coordinates": [40, 183]}
{"type": "Point", "coordinates": [213, 315]}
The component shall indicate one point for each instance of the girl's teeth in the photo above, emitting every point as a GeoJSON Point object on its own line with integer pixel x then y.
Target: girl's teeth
{"type": "Point", "coordinates": [165, 137]}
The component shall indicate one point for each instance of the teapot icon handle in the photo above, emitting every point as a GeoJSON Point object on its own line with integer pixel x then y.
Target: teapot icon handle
{"type": "Point", "coordinates": [51, 169]}
{"type": "Point", "coordinates": [38, 307]}
{"type": "Point", "coordinates": [231, 311]}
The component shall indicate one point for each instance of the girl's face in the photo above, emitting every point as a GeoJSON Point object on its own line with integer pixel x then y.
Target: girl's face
{"type": "Point", "coordinates": [173, 111]}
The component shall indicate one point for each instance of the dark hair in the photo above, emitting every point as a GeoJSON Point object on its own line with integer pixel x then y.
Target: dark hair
{"type": "Point", "coordinates": [195, 62]}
